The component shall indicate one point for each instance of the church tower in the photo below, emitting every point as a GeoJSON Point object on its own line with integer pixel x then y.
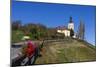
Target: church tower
{"type": "Point", "coordinates": [71, 24]}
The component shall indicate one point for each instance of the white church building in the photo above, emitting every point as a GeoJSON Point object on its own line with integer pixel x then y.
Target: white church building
{"type": "Point", "coordinates": [66, 30]}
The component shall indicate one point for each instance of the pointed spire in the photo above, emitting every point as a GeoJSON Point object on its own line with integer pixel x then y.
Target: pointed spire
{"type": "Point", "coordinates": [71, 19]}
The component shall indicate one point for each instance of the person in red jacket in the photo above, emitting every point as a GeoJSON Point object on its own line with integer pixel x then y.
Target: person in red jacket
{"type": "Point", "coordinates": [30, 50]}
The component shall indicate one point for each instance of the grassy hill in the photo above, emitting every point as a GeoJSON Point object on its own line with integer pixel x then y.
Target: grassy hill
{"type": "Point", "coordinates": [69, 50]}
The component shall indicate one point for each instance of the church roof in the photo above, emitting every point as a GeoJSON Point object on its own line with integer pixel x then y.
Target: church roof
{"type": "Point", "coordinates": [70, 21]}
{"type": "Point", "coordinates": [62, 28]}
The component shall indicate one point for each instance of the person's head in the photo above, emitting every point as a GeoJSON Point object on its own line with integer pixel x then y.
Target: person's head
{"type": "Point", "coordinates": [29, 44]}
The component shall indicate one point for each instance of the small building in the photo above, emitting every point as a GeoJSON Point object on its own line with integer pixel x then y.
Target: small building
{"type": "Point", "coordinates": [66, 30]}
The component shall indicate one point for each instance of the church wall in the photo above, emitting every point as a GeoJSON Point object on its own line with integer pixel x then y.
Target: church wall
{"type": "Point", "coordinates": [71, 26]}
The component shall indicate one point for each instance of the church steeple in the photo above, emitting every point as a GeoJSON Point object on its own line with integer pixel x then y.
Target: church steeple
{"type": "Point", "coordinates": [70, 21]}
{"type": "Point", "coordinates": [70, 24]}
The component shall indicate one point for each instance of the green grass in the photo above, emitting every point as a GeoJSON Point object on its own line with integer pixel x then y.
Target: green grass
{"type": "Point", "coordinates": [67, 51]}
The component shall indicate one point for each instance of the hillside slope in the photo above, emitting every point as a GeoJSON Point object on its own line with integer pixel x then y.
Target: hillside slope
{"type": "Point", "coordinates": [70, 50]}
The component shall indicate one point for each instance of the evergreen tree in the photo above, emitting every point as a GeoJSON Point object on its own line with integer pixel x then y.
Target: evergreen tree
{"type": "Point", "coordinates": [71, 33]}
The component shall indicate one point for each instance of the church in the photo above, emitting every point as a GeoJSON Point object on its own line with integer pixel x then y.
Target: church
{"type": "Point", "coordinates": [66, 29]}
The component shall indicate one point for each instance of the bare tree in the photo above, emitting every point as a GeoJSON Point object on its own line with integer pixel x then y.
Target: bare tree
{"type": "Point", "coordinates": [16, 25]}
{"type": "Point", "coordinates": [81, 31]}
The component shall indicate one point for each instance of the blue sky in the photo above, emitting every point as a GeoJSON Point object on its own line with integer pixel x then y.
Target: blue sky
{"type": "Point", "coordinates": [53, 15]}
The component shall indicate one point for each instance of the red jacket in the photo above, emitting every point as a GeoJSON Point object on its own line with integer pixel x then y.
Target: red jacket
{"type": "Point", "coordinates": [30, 50]}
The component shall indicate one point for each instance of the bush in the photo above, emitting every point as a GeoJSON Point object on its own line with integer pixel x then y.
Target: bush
{"type": "Point", "coordinates": [17, 36]}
